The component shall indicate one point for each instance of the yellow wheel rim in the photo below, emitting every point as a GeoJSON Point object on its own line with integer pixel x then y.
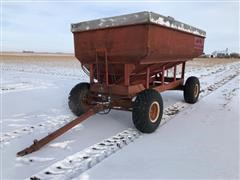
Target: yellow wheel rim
{"type": "Point", "coordinates": [154, 111]}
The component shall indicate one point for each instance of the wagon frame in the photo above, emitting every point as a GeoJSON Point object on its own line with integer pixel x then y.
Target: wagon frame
{"type": "Point", "coordinates": [156, 78]}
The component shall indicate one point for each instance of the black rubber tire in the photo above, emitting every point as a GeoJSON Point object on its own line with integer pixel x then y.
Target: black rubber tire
{"type": "Point", "coordinates": [77, 98]}
{"type": "Point", "coordinates": [191, 90]}
{"type": "Point", "coordinates": [141, 108]}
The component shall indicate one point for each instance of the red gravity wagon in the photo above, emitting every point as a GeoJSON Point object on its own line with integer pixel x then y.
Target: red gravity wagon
{"type": "Point", "coordinates": [130, 60]}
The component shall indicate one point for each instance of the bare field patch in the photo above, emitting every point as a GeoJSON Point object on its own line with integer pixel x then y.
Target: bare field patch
{"type": "Point", "coordinates": [69, 61]}
{"type": "Point", "coordinates": [52, 60]}
{"type": "Point", "coordinates": [211, 61]}
{"type": "Point", "coordinates": [64, 59]}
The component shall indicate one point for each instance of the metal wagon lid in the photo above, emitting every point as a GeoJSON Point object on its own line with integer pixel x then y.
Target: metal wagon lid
{"type": "Point", "coordinates": [136, 18]}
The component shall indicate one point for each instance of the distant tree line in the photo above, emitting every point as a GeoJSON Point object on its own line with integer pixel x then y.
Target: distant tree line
{"type": "Point", "coordinates": [24, 51]}
{"type": "Point", "coordinates": [234, 55]}
{"type": "Point", "coordinates": [221, 55]}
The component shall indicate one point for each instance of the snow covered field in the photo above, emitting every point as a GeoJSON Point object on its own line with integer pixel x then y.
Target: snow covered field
{"type": "Point", "coordinates": [194, 141]}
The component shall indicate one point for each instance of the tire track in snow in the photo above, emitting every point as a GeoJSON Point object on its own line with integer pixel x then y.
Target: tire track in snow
{"type": "Point", "coordinates": [54, 122]}
{"type": "Point", "coordinates": [172, 110]}
{"type": "Point", "coordinates": [78, 163]}
{"type": "Point", "coordinates": [68, 73]}
{"type": "Point", "coordinates": [83, 160]}
{"type": "Point", "coordinates": [23, 86]}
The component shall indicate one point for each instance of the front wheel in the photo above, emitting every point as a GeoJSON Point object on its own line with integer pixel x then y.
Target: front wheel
{"type": "Point", "coordinates": [147, 111]}
{"type": "Point", "coordinates": [191, 90]}
{"type": "Point", "coordinates": [77, 100]}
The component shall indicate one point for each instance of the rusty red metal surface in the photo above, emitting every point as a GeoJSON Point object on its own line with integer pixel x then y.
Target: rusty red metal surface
{"type": "Point", "coordinates": [124, 59]}
{"type": "Point", "coordinates": [138, 44]}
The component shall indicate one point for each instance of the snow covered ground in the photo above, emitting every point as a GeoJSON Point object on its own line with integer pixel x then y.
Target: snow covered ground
{"type": "Point", "coordinates": [194, 141]}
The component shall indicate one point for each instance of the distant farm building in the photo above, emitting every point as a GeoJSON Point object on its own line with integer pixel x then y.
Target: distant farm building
{"type": "Point", "coordinates": [220, 54]}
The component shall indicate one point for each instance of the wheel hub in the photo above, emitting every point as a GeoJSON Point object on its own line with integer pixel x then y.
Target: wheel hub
{"type": "Point", "coordinates": [196, 89]}
{"type": "Point", "coordinates": [154, 111]}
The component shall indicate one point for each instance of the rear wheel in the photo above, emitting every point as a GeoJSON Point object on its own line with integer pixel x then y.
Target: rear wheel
{"type": "Point", "coordinates": [191, 90]}
{"type": "Point", "coordinates": [147, 111]}
{"type": "Point", "coordinates": [78, 96]}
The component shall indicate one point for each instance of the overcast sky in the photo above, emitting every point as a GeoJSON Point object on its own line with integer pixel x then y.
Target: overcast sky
{"type": "Point", "coordinates": [45, 26]}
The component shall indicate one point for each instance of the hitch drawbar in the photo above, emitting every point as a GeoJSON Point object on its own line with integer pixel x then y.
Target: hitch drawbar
{"type": "Point", "coordinates": [37, 144]}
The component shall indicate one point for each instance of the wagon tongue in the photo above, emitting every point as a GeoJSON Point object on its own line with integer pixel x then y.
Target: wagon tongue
{"type": "Point", "coordinates": [34, 147]}
{"type": "Point", "coordinates": [37, 144]}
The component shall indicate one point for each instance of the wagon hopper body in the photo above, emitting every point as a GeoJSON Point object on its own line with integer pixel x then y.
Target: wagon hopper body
{"type": "Point", "coordinates": [127, 54]}
{"type": "Point", "coordinates": [135, 55]}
